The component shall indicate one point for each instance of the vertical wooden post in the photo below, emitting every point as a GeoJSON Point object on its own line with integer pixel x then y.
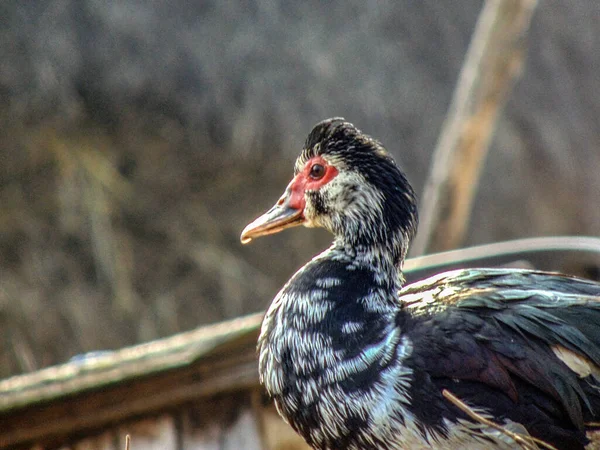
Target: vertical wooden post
{"type": "Point", "coordinates": [492, 65]}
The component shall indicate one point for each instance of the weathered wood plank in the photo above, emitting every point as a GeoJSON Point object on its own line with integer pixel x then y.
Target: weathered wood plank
{"type": "Point", "coordinates": [203, 423]}
{"type": "Point", "coordinates": [201, 438]}
{"type": "Point", "coordinates": [277, 434]}
{"type": "Point", "coordinates": [104, 441]}
{"type": "Point", "coordinates": [221, 423]}
{"type": "Point", "coordinates": [232, 367]}
{"type": "Point", "coordinates": [158, 433]}
{"type": "Point", "coordinates": [116, 367]}
{"type": "Point", "coordinates": [243, 433]}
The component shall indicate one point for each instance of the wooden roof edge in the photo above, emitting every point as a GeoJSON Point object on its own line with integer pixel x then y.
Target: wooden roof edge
{"type": "Point", "coordinates": [100, 370]}
{"type": "Point", "coordinates": [232, 369]}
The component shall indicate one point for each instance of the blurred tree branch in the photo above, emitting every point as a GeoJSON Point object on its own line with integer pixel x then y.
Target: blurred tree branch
{"type": "Point", "coordinates": [492, 65]}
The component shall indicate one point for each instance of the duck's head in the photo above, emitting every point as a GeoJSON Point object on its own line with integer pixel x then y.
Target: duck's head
{"type": "Point", "coordinates": [345, 182]}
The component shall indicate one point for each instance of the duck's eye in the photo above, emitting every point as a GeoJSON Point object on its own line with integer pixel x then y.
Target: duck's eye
{"type": "Point", "coordinates": [317, 171]}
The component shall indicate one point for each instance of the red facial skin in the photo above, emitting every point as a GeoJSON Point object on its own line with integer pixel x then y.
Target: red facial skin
{"type": "Point", "coordinates": [289, 210]}
{"type": "Point", "coordinates": [305, 182]}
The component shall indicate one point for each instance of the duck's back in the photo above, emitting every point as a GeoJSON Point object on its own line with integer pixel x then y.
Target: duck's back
{"type": "Point", "coordinates": [520, 346]}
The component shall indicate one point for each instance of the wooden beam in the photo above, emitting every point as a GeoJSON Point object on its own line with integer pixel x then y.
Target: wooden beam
{"type": "Point", "coordinates": [63, 400]}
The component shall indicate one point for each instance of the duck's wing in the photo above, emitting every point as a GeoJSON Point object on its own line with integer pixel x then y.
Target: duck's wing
{"type": "Point", "coordinates": [521, 345]}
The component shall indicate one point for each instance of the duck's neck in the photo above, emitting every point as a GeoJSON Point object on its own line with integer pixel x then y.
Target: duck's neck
{"type": "Point", "coordinates": [383, 260]}
{"type": "Point", "coordinates": [332, 327]}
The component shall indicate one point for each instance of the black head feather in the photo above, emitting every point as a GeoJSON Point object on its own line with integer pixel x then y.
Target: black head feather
{"type": "Point", "coordinates": [349, 149]}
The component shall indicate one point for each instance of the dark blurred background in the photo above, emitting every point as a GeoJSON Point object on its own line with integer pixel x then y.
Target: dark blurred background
{"type": "Point", "coordinates": [138, 138]}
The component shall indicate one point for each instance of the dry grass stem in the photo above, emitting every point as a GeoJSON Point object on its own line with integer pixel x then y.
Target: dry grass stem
{"type": "Point", "coordinates": [525, 441]}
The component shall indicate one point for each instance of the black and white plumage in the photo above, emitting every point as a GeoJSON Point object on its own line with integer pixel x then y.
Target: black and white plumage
{"type": "Point", "coordinates": [355, 360]}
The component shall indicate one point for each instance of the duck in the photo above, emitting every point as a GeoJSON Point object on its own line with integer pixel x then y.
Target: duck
{"type": "Point", "coordinates": [354, 358]}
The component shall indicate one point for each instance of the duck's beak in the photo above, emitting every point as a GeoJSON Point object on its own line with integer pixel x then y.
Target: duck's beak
{"type": "Point", "coordinates": [286, 213]}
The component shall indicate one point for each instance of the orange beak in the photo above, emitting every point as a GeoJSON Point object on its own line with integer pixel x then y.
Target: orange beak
{"type": "Point", "coordinates": [286, 213]}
